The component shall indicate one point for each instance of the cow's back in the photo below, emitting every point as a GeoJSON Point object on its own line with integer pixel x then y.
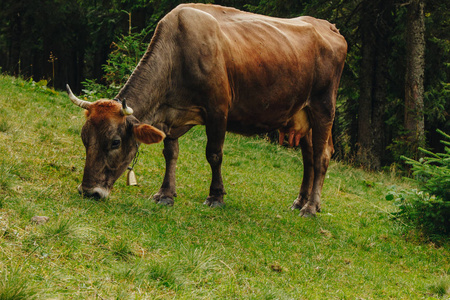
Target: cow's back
{"type": "Point", "coordinates": [248, 28]}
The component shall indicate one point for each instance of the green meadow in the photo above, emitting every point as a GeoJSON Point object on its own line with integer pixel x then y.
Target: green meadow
{"type": "Point", "coordinates": [255, 247]}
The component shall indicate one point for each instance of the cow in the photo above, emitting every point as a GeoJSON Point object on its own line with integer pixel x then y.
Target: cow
{"type": "Point", "coordinates": [228, 70]}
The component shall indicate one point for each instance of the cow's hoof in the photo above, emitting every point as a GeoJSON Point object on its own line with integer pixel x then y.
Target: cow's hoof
{"type": "Point", "coordinates": [309, 211]}
{"type": "Point", "coordinates": [306, 214]}
{"type": "Point", "coordinates": [165, 201]}
{"type": "Point", "coordinates": [157, 197]}
{"type": "Point", "coordinates": [161, 195]}
{"type": "Point", "coordinates": [298, 203]}
{"type": "Point", "coordinates": [214, 201]}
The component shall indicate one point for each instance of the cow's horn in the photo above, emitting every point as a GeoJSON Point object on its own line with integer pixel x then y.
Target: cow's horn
{"type": "Point", "coordinates": [126, 109]}
{"type": "Point", "coordinates": [76, 101]}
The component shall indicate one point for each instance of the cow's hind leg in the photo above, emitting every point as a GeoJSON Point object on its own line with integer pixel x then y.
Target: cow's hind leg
{"type": "Point", "coordinates": [308, 172]}
{"type": "Point", "coordinates": [322, 108]}
{"type": "Point", "coordinates": [321, 162]}
{"type": "Point", "coordinates": [167, 191]}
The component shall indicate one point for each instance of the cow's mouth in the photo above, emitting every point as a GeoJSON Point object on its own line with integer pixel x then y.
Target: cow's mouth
{"type": "Point", "coordinates": [96, 192]}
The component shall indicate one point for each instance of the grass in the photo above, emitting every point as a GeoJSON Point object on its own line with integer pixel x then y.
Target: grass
{"type": "Point", "coordinates": [13, 285]}
{"type": "Point", "coordinates": [128, 247]}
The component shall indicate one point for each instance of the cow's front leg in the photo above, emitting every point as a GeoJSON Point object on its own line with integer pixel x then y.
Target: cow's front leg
{"type": "Point", "coordinates": [167, 191]}
{"type": "Point", "coordinates": [215, 131]}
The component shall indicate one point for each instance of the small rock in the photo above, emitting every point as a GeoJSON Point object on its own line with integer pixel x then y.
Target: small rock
{"type": "Point", "coordinates": [325, 232]}
{"type": "Point", "coordinates": [39, 220]}
{"type": "Point", "coordinates": [276, 268]}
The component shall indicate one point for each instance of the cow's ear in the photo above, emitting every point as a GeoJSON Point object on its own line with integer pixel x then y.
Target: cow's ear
{"type": "Point", "coordinates": [148, 134]}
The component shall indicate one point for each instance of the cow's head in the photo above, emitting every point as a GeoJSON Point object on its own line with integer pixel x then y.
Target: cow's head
{"type": "Point", "coordinates": [111, 136]}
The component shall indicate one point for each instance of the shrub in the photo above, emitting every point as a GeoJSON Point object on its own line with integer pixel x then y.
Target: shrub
{"type": "Point", "coordinates": [429, 207]}
{"type": "Point", "coordinates": [122, 60]}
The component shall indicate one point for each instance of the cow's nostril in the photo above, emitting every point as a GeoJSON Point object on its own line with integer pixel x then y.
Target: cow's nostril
{"type": "Point", "coordinates": [96, 195]}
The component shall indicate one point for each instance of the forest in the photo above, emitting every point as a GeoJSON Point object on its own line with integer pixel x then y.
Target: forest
{"type": "Point", "coordinates": [394, 93]}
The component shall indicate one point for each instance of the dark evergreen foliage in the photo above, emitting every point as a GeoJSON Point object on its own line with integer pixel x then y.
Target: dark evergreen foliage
{"type": "Point", "coordinates": [428, 208]}
{"type": "Point", "coordinates": [85, 36]}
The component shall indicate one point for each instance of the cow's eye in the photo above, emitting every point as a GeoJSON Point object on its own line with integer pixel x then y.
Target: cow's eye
{"type": "Point", "coordinates": [115, 144]}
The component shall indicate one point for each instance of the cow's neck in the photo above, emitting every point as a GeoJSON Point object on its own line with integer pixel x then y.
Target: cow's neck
{"type": "Point", "coordinates": [150, 80]}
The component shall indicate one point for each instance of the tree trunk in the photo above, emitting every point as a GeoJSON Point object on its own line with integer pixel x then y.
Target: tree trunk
{"type": "Point", "coordinates": [365, 138]}
{"type": "Point", "coordinates": [375, 28]}
{"type": "Point", "coordinates": [379, 99]}
{"type": "Point", "coordinates": [16, 44]}
{"type": "Point", "coordinates": [415, 66]}
{"type": "Point", "coordinates": [372, 83]}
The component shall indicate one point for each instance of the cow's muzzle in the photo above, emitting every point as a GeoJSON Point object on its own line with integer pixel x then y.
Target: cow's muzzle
{"type": "Point", "coordinates": [97, 192]}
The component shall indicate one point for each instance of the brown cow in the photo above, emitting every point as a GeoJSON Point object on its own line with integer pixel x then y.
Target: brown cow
{"type": "Point", "coordinates": [228, 70]}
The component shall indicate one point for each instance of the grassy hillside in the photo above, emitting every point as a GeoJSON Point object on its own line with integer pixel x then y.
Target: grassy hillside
{"type": "Point", "coordinates": [128, 247]}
